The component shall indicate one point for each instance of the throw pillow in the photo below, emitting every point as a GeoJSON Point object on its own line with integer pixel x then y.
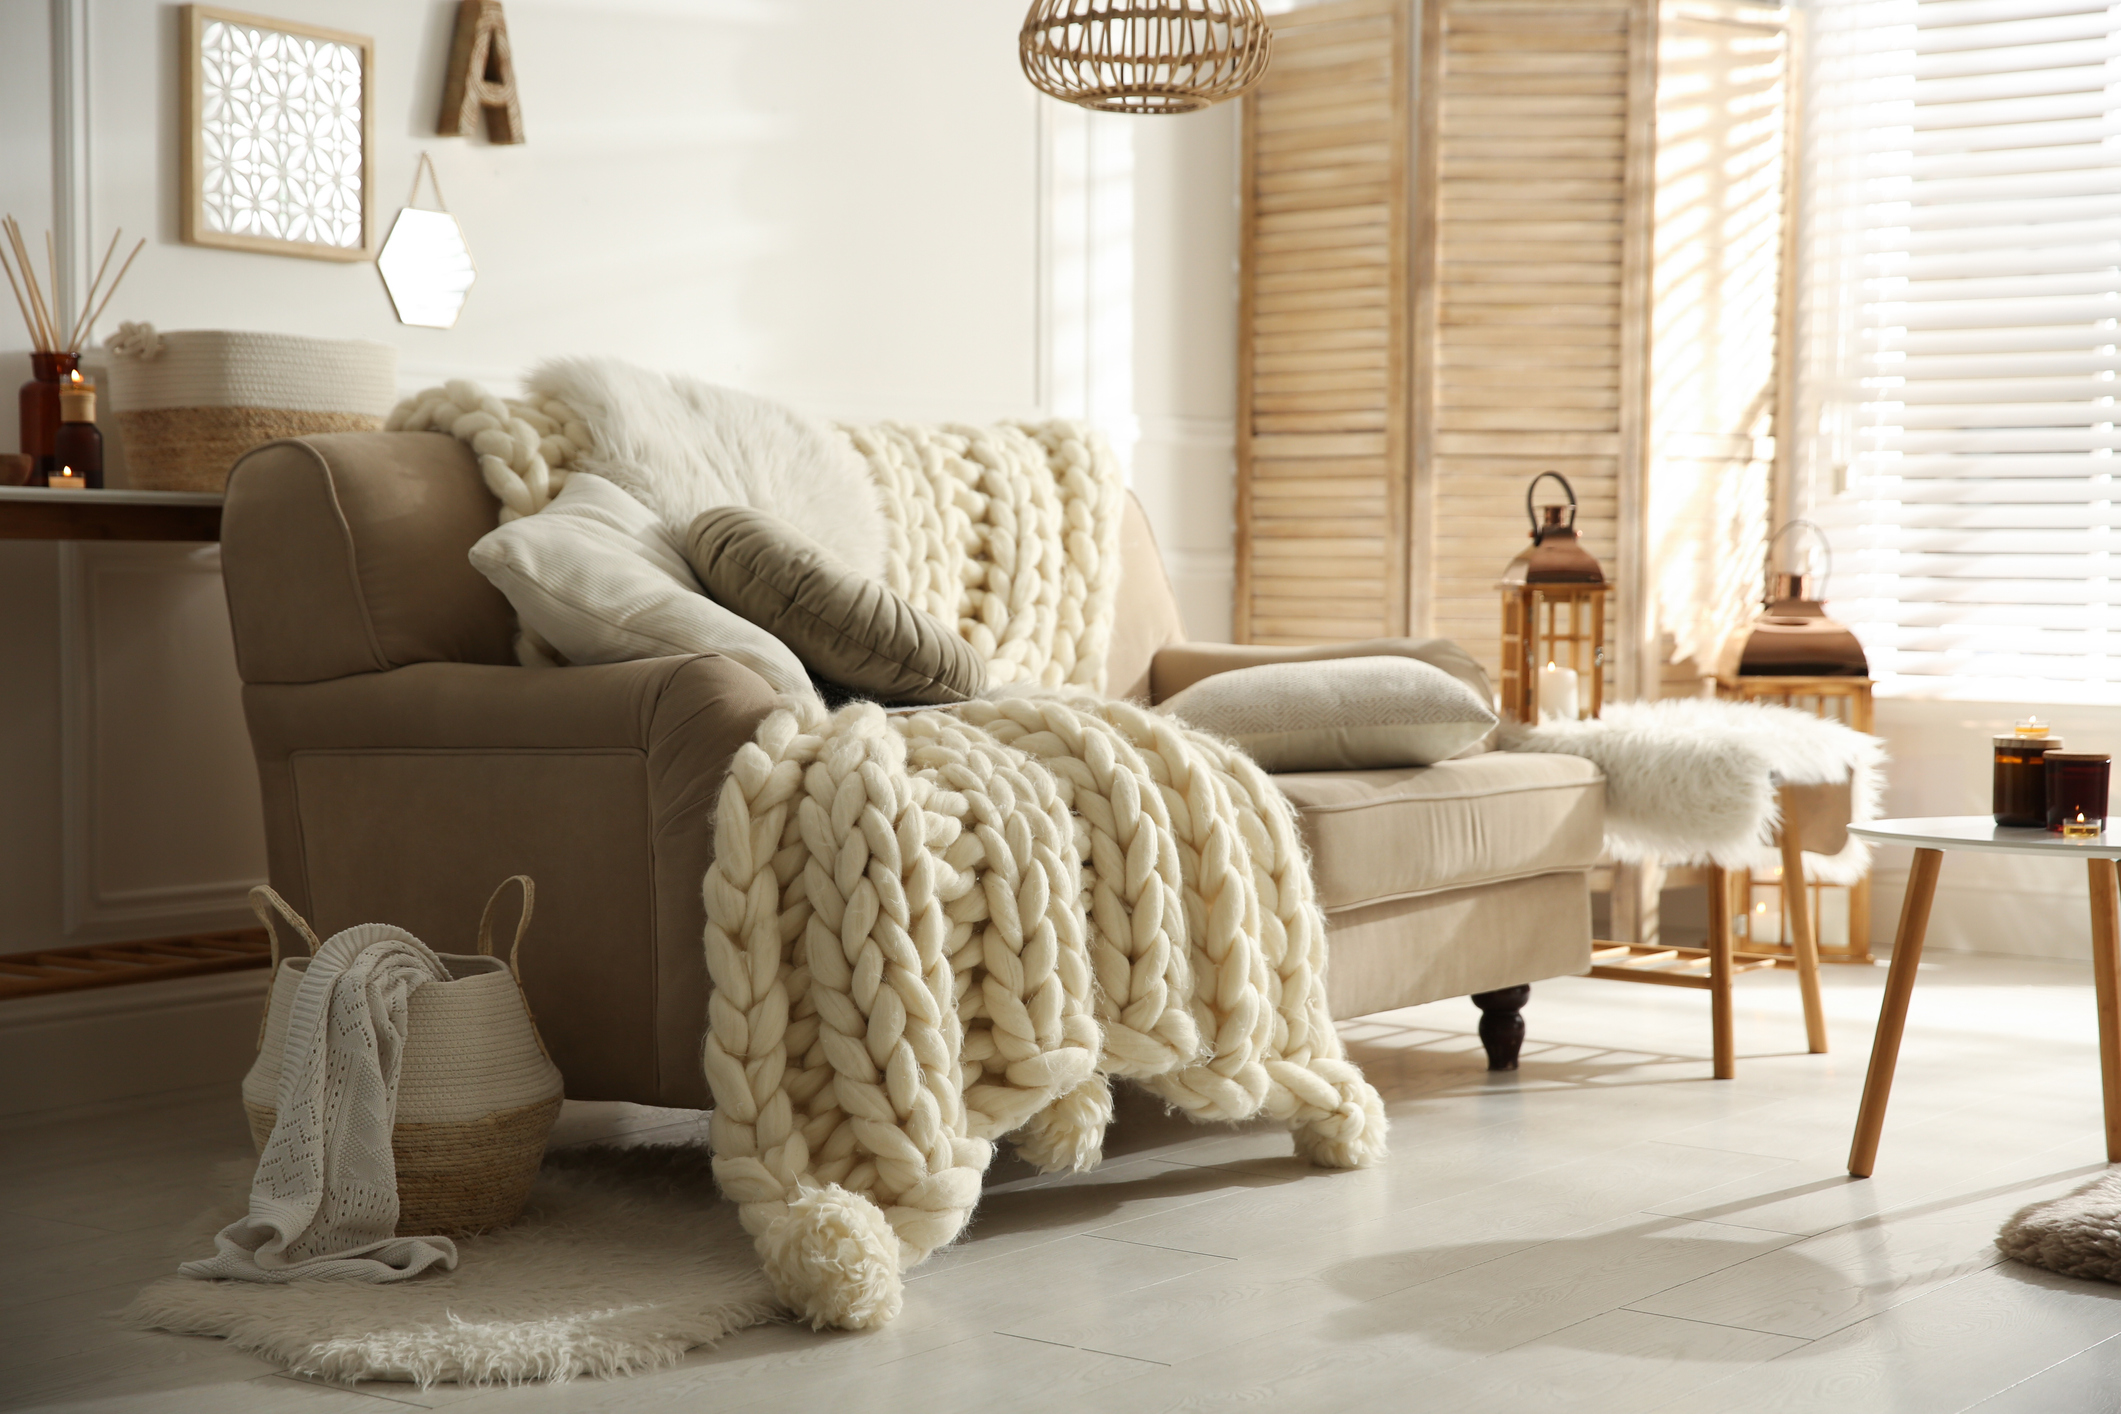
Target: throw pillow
{"type": "Point", "coordinates": [846, 627]}
{"type": "Point", "coordinates": [1343, 714]}
{"type": "Point", "coordinates": [596, 576]}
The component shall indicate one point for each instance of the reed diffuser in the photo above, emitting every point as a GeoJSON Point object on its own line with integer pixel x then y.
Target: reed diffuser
{"type": "Point", "coordinates": [55, 348]}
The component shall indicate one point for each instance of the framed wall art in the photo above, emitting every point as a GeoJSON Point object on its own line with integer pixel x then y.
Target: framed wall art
{"type": "Point", "coordinates": [279, 136]}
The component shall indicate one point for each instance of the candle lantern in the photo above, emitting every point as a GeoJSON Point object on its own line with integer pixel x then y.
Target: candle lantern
{"type": "Point", "coordinates": [1793, 655]}
{"type": "Point", "coordinates": [1553, 618]}
{"type": "Point", "coordinates": [1794, 638]}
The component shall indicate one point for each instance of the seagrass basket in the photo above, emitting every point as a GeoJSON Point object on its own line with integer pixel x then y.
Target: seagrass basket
{"type": "Point", "coordinates": [477, 1094]}
{"type": "Point", "coordinates": [190, 402]}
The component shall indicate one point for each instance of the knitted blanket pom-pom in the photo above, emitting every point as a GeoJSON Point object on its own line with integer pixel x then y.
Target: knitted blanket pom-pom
{"type": "Point", "coordinates": [834, 1258]}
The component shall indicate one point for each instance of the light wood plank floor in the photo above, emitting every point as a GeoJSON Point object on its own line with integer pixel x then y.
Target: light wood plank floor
{"type": "Point", "coordinates": [1608, 1229]}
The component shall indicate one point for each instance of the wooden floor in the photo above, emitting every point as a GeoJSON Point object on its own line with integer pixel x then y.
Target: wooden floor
{"type": "Point", "coordinates": [1608, 1229]}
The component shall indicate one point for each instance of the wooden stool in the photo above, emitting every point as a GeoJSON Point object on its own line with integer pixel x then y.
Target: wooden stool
{"type": "Point", "coordinates": [1814, 818]}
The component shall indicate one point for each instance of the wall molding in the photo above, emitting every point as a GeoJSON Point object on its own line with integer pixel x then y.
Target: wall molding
{"type": "Point", "coordinates": [91, 908]}
{"type": "Point", "coordinates": [72, 213]}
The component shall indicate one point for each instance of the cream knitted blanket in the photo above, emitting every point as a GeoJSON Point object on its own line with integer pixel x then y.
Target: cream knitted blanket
{"type": "Point", "coordinates": [927, 931]}
{"type": "Point", "coordinates": [1010, 531]}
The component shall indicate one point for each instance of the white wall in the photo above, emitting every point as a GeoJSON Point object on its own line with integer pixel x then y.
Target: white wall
{"type": "Point", "coordinates": [1185, 352]}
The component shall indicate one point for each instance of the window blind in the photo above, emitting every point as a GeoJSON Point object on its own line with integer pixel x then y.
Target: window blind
{"type": "Point", "coordinates": [1984, 530]}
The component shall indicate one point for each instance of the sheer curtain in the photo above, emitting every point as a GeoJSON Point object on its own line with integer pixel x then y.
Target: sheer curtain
{"type": "Point", "coordinates": [1962, 283]}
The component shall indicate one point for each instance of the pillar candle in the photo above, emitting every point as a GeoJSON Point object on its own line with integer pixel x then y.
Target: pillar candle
{"type": "Point", "coordinates": [1557, 693]}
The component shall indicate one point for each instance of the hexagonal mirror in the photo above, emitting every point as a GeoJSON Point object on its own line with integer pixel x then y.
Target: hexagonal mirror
{"type": "Point", "coordinates": [427, 268]}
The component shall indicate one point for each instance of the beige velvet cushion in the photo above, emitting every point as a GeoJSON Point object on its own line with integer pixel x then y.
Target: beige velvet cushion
{"type": "Point", "coordinates": [1377, 835]}
{"type": "Point", "coordinates": [846, 627]}
{"type": "Point", "coordinates": [1345, 714]}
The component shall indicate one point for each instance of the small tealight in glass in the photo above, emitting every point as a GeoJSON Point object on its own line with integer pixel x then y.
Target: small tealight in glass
{"type": "Point", "coordinates": [2076, 792]}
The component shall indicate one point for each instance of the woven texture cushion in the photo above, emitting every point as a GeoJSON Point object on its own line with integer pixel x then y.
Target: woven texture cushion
{"type": "Point", "coordinates": [847, 628]}
{"type": "Point", "coordinates": [1345, 714]}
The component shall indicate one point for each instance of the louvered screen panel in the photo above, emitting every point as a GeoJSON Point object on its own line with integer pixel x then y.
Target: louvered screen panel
{"type": "Point", "coordinates": [1323, 405]}
{"type": "Point", "coordinates": [1985, 546]}
{"type": "Point", "coordinates": [1531, 158]}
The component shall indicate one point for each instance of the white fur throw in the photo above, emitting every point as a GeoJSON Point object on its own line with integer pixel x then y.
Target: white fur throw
{"type": "Point", "coordinates": [927, 931]}
{"type": "Point", "coordinates": [1010, 532]}
{"type": "Point", "coordinates": [1693, 780]}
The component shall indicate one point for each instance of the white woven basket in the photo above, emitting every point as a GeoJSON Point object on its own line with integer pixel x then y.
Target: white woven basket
{"type": "Point", "coordinates": [192, 401]}
{"type": "Point", "coordinates": [477, 1094]}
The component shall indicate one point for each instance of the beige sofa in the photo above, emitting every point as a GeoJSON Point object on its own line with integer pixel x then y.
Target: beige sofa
{"type": "Point", "coordinates": [408, 765]}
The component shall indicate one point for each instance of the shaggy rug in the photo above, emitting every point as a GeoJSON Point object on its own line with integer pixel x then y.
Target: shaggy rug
{"type": "Point", "coordinates": [624, 1260]}
{"type": "Point", "coordinates": [2078, 1235]}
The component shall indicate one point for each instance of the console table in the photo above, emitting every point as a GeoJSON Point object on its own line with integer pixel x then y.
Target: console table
{"type": "Point", "coordinates": [1931, 838]}
{"type": "Point", "coordinates": [43, 513]}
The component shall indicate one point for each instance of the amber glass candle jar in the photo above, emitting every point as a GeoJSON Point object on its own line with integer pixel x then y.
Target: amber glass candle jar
{"type": "Point", "coordinates": [2020, 792]}
{"type": "Point", "coordinates": [2076, 789]}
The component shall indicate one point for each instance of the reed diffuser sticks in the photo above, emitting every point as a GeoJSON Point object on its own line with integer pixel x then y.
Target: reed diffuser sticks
{"type": "Point", "coordinates": [46, 334]}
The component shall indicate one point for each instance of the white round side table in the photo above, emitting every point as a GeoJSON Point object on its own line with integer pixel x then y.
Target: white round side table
{"type": "Point", "coordinates": [1930, 839]}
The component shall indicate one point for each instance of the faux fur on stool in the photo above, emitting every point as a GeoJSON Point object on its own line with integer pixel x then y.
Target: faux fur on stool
{"type": "Point", "coordinates": [2078, 1235]}
{"type": "Point", "coordinates": [1693, 780]}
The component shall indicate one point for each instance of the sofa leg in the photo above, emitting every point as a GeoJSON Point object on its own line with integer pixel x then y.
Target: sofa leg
{"type": "Point", "coordinates": [1502, 1024]}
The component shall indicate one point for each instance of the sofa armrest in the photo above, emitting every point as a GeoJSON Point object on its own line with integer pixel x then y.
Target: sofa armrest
{"type": "Point", "coordinates": [406, 796]}
{"type": "Point", "coordinates": [1180, 665]}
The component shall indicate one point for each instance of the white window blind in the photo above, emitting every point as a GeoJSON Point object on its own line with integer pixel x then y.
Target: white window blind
{"type": "Point", "coordinates": [1982, 491]}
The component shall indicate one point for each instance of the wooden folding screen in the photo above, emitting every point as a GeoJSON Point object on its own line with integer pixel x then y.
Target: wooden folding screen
{"type": "Point", "coordinates": [1324, 384]}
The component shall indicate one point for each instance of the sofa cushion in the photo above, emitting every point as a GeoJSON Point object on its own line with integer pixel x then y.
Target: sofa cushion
{"type": "Point", "coordinates": [596, 575]}
{"type": "Point", "coordinates": [1348, 714]}
{"type": "Point", "coordinates": [1377, 835]}
{"type": "Point", "coordinates": [847, 628]}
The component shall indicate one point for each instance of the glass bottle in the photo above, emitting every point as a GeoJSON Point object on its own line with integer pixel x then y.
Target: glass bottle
{"type": "Point", "coordinates": [39, 406]}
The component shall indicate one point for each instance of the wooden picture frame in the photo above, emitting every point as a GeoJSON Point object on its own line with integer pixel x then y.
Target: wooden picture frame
{"type": "Point", "coordinates": [226, 201]}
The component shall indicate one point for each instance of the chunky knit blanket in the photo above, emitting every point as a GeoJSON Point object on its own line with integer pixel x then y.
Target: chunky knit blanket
{"type": "Point", "coordinates": [927, 931]}
{"type": "Point", "coordinates": [1009, 531]}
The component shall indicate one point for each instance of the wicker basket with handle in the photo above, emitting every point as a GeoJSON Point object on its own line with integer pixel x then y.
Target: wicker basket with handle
{"type": "Point", "coordinates": [190, 402]}
{"type": "Point", "coordinates": [477, 1093]}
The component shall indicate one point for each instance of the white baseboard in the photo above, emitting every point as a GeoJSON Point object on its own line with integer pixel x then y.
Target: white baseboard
{"type": "Point", "coordinates": [113, 1045]}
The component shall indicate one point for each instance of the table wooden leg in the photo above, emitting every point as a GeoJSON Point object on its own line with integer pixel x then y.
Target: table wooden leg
{"type": "Point", "coordinates": [2106, 982]}
{"type": "Point", "coordinates": [1797, 907]}
{"type": "Point", "coordinates": [1892, 1010]}
{"type": "Point", "coordinates": [1725, 1049]}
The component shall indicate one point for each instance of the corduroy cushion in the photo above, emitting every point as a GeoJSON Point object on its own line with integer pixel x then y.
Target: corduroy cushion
{"type": "Point", "coordinates": [847, 628]}
{"type": "Point", "coordinates": [1345, 714]}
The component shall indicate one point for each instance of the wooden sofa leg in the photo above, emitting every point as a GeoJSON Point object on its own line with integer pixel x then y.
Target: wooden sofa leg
{"type": "Point", "coordinates": [1502, 1024]}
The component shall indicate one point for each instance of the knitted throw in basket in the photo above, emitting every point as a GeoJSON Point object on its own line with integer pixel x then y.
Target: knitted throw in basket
{"type": "Point", "coordinates": [444, 1066]}
{"type": "Point", "coordinates": [927, 931]}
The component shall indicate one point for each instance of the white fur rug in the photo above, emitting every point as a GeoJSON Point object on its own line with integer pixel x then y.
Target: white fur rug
{"type": "Point", "coordinates": [1690, 780]}
{"type": "Point", "coordinates": [624, 1260]}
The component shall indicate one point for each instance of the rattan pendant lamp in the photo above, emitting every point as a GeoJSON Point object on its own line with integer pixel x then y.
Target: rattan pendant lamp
{"type": "Point", "coordinates": [1144, 56]}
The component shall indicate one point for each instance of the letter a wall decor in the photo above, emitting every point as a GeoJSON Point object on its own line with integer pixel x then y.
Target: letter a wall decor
{"type": "Point", "coordinates": [482, 75]}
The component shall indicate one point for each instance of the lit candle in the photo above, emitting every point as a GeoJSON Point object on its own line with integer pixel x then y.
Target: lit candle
{"type": "Point", "coordinates": [1557, 692]}
{"type": "Point", "coordinates": [65, 480]}
{"type": "Point", "coordinates": [1766, 927]}
{"type": "Point", "coordinates": [2081, 828]}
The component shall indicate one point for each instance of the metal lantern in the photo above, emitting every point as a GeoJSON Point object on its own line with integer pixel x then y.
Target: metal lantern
{"type": "Point", "coordinates": [1553, 618]}
{"type": "Point", "coordinates": [1144, 56]}
{"type": "Point", "coordinates": [1794, 638]}
{"type": "Point", "coordinates": [1793, 655]}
